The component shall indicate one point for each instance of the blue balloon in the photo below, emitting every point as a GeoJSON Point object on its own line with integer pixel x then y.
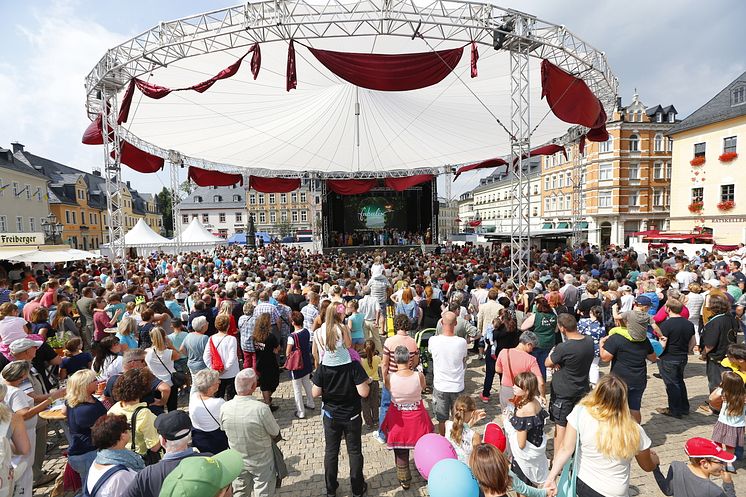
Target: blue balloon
{"type": "Point", "coordinates": [452, 478]}
{"type": "Point", "coordinates": [657, 346]}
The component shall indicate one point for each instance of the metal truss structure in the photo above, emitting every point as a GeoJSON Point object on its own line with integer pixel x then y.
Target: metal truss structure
{"type": "Point", "coordinates": [174, 159]}
{"type": "Point", "coordinates": [520, 146]}
{"type": "Point", "coordinates": [578, 181]}
{"type": "Point", "coordinates": [113, 173]}
{"type": "Point", "coordinates": [279, 20]}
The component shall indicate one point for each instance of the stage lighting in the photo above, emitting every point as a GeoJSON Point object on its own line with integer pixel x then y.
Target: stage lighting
{"type": "Point", "coordinates": [499, 35]}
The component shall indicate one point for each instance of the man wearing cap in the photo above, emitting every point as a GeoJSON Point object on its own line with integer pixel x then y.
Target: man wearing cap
{"type": "Point", "coordinates": [706, 459]}
{"type": "Point", "coordinates": [38, 388]}
{"type": "Point", "coordinates": [251, 428]}
{"type": "Point", "coordinates": [203, 476]}
{"type": "Point", "coordinates": [175, 434]}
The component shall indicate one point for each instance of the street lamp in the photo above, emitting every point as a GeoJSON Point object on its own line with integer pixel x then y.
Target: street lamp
{"type": "Point", "coordinates": [52, 229]}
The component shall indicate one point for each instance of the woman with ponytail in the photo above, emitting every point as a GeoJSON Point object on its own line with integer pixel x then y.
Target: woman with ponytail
{"type": "Point", "coordinates": [459, 429]}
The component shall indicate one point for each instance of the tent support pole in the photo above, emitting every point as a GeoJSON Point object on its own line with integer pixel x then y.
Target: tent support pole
{"type": "Point", "coordinates": [174, 160]}
{"type": "Point", "coordinates": [520, 122]}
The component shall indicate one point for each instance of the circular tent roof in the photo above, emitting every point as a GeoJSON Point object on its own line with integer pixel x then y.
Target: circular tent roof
{"type": "Point", "coordinates": [257, 127]}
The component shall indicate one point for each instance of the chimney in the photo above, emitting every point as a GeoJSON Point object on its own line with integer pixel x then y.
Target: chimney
{"type": "Point", "coordinates": [128, 185]}
{"type": "Point", "coordinates": [619, 103]}
{"type": "Point", "coordinates": [97, 172]}
{"type": "Point", "coordinates": [17, 147]}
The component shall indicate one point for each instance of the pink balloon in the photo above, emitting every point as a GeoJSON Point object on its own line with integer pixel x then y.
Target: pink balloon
{"type": "Point", "coordinates": [431, 449]}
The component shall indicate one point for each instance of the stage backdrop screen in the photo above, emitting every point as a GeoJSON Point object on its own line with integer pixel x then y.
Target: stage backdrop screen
{"type": "Point", "coordinates": [375, 212]}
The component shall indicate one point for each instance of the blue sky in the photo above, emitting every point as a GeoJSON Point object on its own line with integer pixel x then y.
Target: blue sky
{"type": "Point", "coordinates": [678, 52]}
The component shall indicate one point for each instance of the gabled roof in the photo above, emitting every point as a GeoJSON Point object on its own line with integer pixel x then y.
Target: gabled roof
{"type": "Point", "coordinates": [208, 193]}
{"type": "Point", "coordinates": [7, 161]}
{"type": "Point", "coordinates": [718, 109]}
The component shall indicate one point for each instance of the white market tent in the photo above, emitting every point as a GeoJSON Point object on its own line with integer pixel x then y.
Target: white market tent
{"type": "Point", "coordinates": [144, 240]}
{"type": "Point", "coordinates": [196, 237]}
{"type": "Point", "coordinates": [52, 256]}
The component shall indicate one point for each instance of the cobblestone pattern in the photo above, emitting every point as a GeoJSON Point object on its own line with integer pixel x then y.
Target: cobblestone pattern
{"type": "Point", "coordinates": [304, 445]}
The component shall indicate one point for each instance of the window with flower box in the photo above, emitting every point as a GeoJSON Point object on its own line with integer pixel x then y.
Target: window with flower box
{"type": "Point", "coordinates": [729, 144]}
{"type": "Point", "coordinates": [727, 193]}
{"type": "Point", "coordinates": [698, 194]}
{"type": "Point", "coordinates": [700, 149]}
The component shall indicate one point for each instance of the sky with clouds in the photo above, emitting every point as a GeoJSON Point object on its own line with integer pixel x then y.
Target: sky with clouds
{"type": "Point", "coordinates": [678, 52]}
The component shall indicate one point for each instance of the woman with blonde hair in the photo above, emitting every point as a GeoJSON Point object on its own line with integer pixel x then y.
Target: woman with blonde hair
{"type": "Point", "coordinates": [82, 410]}
{"type": "Point", "coordinates": [126, 331]}
{"type": "Point", "coordinates": [609, 439]}
{"type": "Point", "coordinates": [160, 359]}
{"type": "Point", "coordinates": [15, 444]}
{"type": "Point", "coordinates": [226, 309]}
{"type": "Point", "coordinates": [332, 340]}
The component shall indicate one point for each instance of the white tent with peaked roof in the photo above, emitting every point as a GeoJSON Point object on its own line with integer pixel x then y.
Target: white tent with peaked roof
{"type": "Point", "coordinates": [197, 237]}
{"type": "Point", "coordinates": [144, 240]}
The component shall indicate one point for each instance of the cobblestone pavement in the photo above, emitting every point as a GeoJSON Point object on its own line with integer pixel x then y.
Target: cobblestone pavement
{"type": "Point", "coordinates": [304, 446]}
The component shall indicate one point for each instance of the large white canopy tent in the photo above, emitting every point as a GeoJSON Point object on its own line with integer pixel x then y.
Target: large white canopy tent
{"type": "Point", "coordinates": [144, 240]}
{"type": "Point", "coordinates": [196, 237]}
{"type": "Point", "coordinates": [327, 127]}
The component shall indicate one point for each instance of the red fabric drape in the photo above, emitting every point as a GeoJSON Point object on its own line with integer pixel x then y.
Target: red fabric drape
{"type": "Point", "coordinates": [155, 91]}
{"type": "Point", "coordinates": [291, 78]}
{"type": "Point", "coordinates": [474, 224]}
{"type": "Point", "coordinates": [550, 149]}
{"type": "Point", "coordinates": [124, 107]}
{"type": "Point", "coordinates": [474, 59]}
{"type": "Point", "coordinates": [387, 72]}
{"type": "Point", "coordinates": [205, 177]}
{"type": "Point", "coordinates": [570, 98]}
{"type": "Point", "coordinates": [725, 248]}
{"type": "Point", "coordinates": [92, 134]}
{"type": "Point", "coordinates": [598, 134]}
{"type": "Point", "coordinates": [351, 186]}
{"type": "Point", "coordinates": [572, 101]}
{"type": "Point", "coordinates": [479, 165]}
{"type": "Point", "coordinates": [274, 185]}
{"type": "Point", "coordinates": [139, 160]}
{"type": "Point", "coordinates": [401, 184]}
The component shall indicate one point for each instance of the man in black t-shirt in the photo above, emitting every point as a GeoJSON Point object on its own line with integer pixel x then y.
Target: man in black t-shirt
{"type": "Point", "coordinates": [570, 382]}
{"type": "Point", "coordinates": [719, 332]}
{"type": "Point", "coordinates": [340, 389]}
{"type": "Point", "coordinates": [678, 340]}
{"type": "Point", "coordinates": [627, 359]}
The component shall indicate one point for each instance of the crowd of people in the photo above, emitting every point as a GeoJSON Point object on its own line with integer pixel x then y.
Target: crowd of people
{"type": "Point", "coordinates": [382, 236]}
{"type": "Point", "coordinates": [154, 363]}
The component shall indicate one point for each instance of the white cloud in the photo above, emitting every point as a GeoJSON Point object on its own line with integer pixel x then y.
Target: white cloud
{"type": "Point", "coordinates": [43, 95]}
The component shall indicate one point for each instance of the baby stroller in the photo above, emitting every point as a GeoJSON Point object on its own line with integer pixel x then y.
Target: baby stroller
{"type": "Point", "coordinates": [421, 338]}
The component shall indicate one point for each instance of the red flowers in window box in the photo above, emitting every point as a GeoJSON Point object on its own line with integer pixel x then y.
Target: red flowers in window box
{"type": "Point", "coordinates": [697, 161]}
{"type": "Point", "coordinates": [696, 206]}
{"type": "Point", "coordinates": [726, 205]}
{"type": "Point", "coordinates": [728, 156]}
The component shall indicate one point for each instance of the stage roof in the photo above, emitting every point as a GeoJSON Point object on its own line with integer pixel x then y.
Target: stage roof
{"type": "Point", "coordinates": [259, 125]}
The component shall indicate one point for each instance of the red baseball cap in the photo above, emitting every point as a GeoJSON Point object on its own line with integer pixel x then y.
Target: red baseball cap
{"type": "Point", "coordinates": [702, 447]}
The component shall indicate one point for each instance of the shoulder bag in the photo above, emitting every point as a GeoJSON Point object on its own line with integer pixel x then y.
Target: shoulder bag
{"type": "Point", "coordinates": [294, 360]}
{"type": "Point", "coordinates": [178, 379]}
{"type": "Point", "coordinates": [568, 478]}
{"type": "Point", "coordinates": [149, 457]}
{"type": "Point", "coordinates": [215, 359]}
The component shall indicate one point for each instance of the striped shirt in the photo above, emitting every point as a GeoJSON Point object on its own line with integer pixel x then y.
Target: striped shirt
{"type": "Point", "coordinates": [392, 343]}
{"type": "Point", "coordinates": [309, 315]}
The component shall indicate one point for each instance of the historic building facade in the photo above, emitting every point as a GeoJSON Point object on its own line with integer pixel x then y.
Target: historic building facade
{"type": "Point", "coordinates": [708, 190]}
{"type": "Point", "coordinates": [624, 183]}
{"type": "Point", "coordinates": [78, 201]}
{"type": "Point", "coordinates": [23, 196]}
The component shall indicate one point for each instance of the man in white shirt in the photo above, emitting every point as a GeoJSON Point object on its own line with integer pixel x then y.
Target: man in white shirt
{"type": "Point", "coordinates": [449, 354]}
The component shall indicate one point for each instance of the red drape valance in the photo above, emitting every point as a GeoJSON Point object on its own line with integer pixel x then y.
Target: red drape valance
{"type": "Point", "coordinates": [474, 59]}
{"type": "Point", "coordinates": [139, 160]}
{"type": "Point", "coordinates": [274, 185]}
{"type": "Point", "coordinates": [571, 100]}
{"type": "Point", "coordinates": [474, 224]}
{"type": "Point", "coordinates": [479, 165]}
{"type": "Point", "coordinates": [205, 177]}
{"type": "Point", "coordinates": [92, 134]}
{"type": "Point", "coordinates": [291, 78]}
{"type": "Point", "coordinates": [391, 72]}
{"type": "Point", "coordinates": [351, 186]}
{"type": "Point", "coordinates": [599, 134]}
{"type": "Point", "coordinates": [550, 149]}
{"type": "Point", "coordinates": [401, 184]}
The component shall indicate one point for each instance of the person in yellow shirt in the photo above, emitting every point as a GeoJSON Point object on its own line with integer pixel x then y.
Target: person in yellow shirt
{"type": "Point", "coordinates": [128, 389]}
{"type": "Point", "coordinates": [371, 364]}
{"type": "Point", "coordinates": [735, 359]}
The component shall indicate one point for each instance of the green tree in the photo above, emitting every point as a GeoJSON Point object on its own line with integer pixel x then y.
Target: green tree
{"type": "Point", "coordinates": [284, 228]}
{"type": "Point", "coordinates": [164, 204]}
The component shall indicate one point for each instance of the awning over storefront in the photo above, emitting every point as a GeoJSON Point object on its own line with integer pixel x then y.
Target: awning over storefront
{"type": "Point", "coordinates": [546, 226]}
{"type": "Point", "coordinates": [563, 226]}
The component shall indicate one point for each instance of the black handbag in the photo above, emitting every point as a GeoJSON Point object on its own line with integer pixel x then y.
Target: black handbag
{"type": "Point", "coordinates": [178, 379]}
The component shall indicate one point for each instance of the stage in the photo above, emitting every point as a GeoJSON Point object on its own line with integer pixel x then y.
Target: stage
{"type": "Point", "coordinates": [390, 249]}
{"type": "Point", "coordinates": [381, 217]}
